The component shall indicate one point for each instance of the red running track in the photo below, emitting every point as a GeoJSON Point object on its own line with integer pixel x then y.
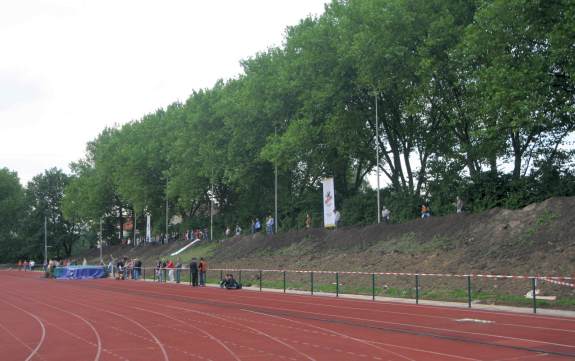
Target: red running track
{"type": "Point", "coordinates": [45, 319]}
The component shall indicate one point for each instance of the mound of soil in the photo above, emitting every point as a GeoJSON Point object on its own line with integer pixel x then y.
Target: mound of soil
{"type": "Point", "coordinates": [537, 239]}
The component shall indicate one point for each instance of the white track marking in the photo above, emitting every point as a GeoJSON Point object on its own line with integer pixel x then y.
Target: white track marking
{"type": "Point", "coordinates": [209, 335]}
{"type": "Point", "coordinates": [161, 346]}
{"type": "Point", "coordinates": [96, 333]}
{"type": "Point", "coordinates": [259, 332]}
{"type": "Point", "coordinates": [375, 342]}
{"type": "Point", "coordinates": [333, 332]}
{"type": "Point", "coordinates": [505, 314]}
{"type": "Point", "coordinates": [35, 350]}
{"type": "Point", "coordinates": [387, 303]}
{"type": "Point", "coordinates": [385, 322]}
{"type": "Point", "coordinates": [16, 337]}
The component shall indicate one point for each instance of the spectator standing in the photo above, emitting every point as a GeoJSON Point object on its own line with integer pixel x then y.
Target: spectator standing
{"type": "Point", "coordinates": [258, 225]}
{"type": "Point", "coordinates": [137, 269]}
{"type": "Point", "coordinates": [253, 226]}
{"type": "Point", "coordinates": [170, 267]}
{"type": "Point", "coordinates": [178, 270]}
{"type": "Point", "coordinates": [32, 264]}
{"type": "Point", "coordinates": [238, 230]}
{"type": "Point", "coordinates": [459, 205]}
{"type": "Point", "coordinates": [337, 217]}
{"type": "Point", "coordinates": [159, 270]}
{"type": "Point", "coordinates": [307, 221]}
{"type": "Point", "coordinates": [203, 268]}
{"type": "Point", "coordinates": [270, 225]}
{"type": "Point", "coordinates": [228, 232]}
{"type": "Point", "coordinates": [194, 272]}
{"type": "Point", "coordinates": [425, 211]}
{"type": "Point", "coordinates": [385, 214]}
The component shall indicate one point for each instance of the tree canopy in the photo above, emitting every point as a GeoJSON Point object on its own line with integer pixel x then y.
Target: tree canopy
{"type": "Point", "coordinates": [474, 98]}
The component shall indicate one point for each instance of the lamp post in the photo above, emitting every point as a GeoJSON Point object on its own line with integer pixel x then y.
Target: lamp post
{"type": "Point", "coordinates": [276, 189]}
{"type": "Point", "coordinates": [45, 240]}
{"type": "Point", "coordinates": [101, 245]}
{"type": "Point", "coordinates": [375, 94]}
{"type": "Point", "coordinates": [212, 212]}
{"type": "Point", "coordinates": [166, 238]}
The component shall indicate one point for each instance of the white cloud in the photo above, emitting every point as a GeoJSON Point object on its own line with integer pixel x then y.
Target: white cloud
{"type": "Point", "coordinates": [70, 68]}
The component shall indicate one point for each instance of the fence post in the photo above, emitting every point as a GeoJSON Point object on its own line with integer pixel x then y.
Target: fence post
{"type": "Point", "coordinates": [284, 281]}
{"type": "Point", "coordinates": [417, 288]}
{"type": "Point", "coordinates": [311, 279]}
{"type": "Point", "coordinates": [373, 286]}
{"type": "Point", "coordinates": [221, 275]}
{"type": "Point", "coordinates": [469, 291]}
{"type": "Point", "coordinates": [240, 271]}
{"type": "Point", "coordinates": [533, 287]}
{"type": "Point", "coordinates": [337, 284]}
{"type": "Point", "coordinates": [261, 279]}
{"type": "Point", "coordinates": [154, 275]}
{"type": "Point", "coordinates": [144, 269]}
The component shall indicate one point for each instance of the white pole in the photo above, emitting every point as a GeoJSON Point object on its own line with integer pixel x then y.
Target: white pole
{"type": "Point", "coordinates": [101, 245]}
{"type": "Point", "coordinates": [166, 237]}
{"type": "Point", "coordinates": [377, 157]}
{"type": "Point", "coordinates": [45, 240]}
{"type": "Point", "coordinates": [134, 227]}
{"type": "Point", "coordinates": [212, 213]}
{"type": "Point", "coordinates": [276, 189]}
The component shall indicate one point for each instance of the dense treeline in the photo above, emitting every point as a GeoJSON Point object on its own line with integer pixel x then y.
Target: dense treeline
{"type": "Point", "coordinates": [474, 98]}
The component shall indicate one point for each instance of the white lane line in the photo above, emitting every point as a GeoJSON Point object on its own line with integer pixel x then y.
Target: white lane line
{"type": "Point", "coordinates": [333, 332]}
{"type": "Point", "coordinates": [17, 338]}
{"type": "Point", "coordinates": [209, 335]}
{"type": "Point", "coordinates": [161, 346]}
{"type": "Point", "coordinates": [244, 319]}
{"type": "Point", "coordinates": [259, 332]}
{"type": "Point", "coordinates": [96, 333]}
{"type": "Point", "coordinates": [35, 350]}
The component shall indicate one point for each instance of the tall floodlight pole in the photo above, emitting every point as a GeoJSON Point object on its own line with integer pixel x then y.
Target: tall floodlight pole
{"type": "Point", "coordinates": [212, 212]}
{"type": "Point", "coordinates": [276, 189]}
{"type": "Point", "coordinates": [166, 209]}
{"type": "Point", "coordinates": [101, 244]}
{"type": "Point", "coordinates": [377, 156]}
{"type": "Point", "coordinates": [45, 240]}
{"type": "Point", "coordinates": [134, 227]}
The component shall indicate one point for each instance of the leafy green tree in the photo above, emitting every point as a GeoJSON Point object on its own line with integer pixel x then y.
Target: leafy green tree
{"type": "Point", "coordinates": [12, 208]}
{"type": "Point", "coordinates": [44, 195]}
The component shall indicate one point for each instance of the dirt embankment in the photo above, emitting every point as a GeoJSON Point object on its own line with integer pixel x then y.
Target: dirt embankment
{"type": "Point", "coordinates": [538, 239]}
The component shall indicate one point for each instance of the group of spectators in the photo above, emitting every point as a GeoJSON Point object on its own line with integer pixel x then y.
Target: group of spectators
{"type": "Point", "coordinates": [173, 271]}
{"type": "Point", "coordinates": [125, 268]}
{"type": "Point", "coordinates": [26, 265]}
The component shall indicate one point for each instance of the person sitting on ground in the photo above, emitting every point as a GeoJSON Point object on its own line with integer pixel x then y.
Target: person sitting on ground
{"type": "Point", "coordinates": [230, 283]}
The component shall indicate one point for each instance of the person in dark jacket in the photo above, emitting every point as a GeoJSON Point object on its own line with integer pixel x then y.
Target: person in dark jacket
{"type": "Point", "coordinates": [230, 283]}
{"type": "Point", "coordinates": [137, 268]}
{"type": "Point", "coordinates": [194, 272]}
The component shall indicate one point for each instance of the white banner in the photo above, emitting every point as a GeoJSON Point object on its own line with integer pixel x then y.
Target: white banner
{"type": "Point", "coordinates": [148, 229]}
{"type": "Point", "coordinates": [328, 203]}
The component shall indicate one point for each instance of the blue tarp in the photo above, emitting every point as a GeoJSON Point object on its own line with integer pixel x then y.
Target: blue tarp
{"type": "Point", "coordinates": [80, 272]}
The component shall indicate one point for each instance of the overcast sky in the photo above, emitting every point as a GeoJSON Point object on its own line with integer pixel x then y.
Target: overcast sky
{"type": "Point", "coordinates": [69, 68]}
